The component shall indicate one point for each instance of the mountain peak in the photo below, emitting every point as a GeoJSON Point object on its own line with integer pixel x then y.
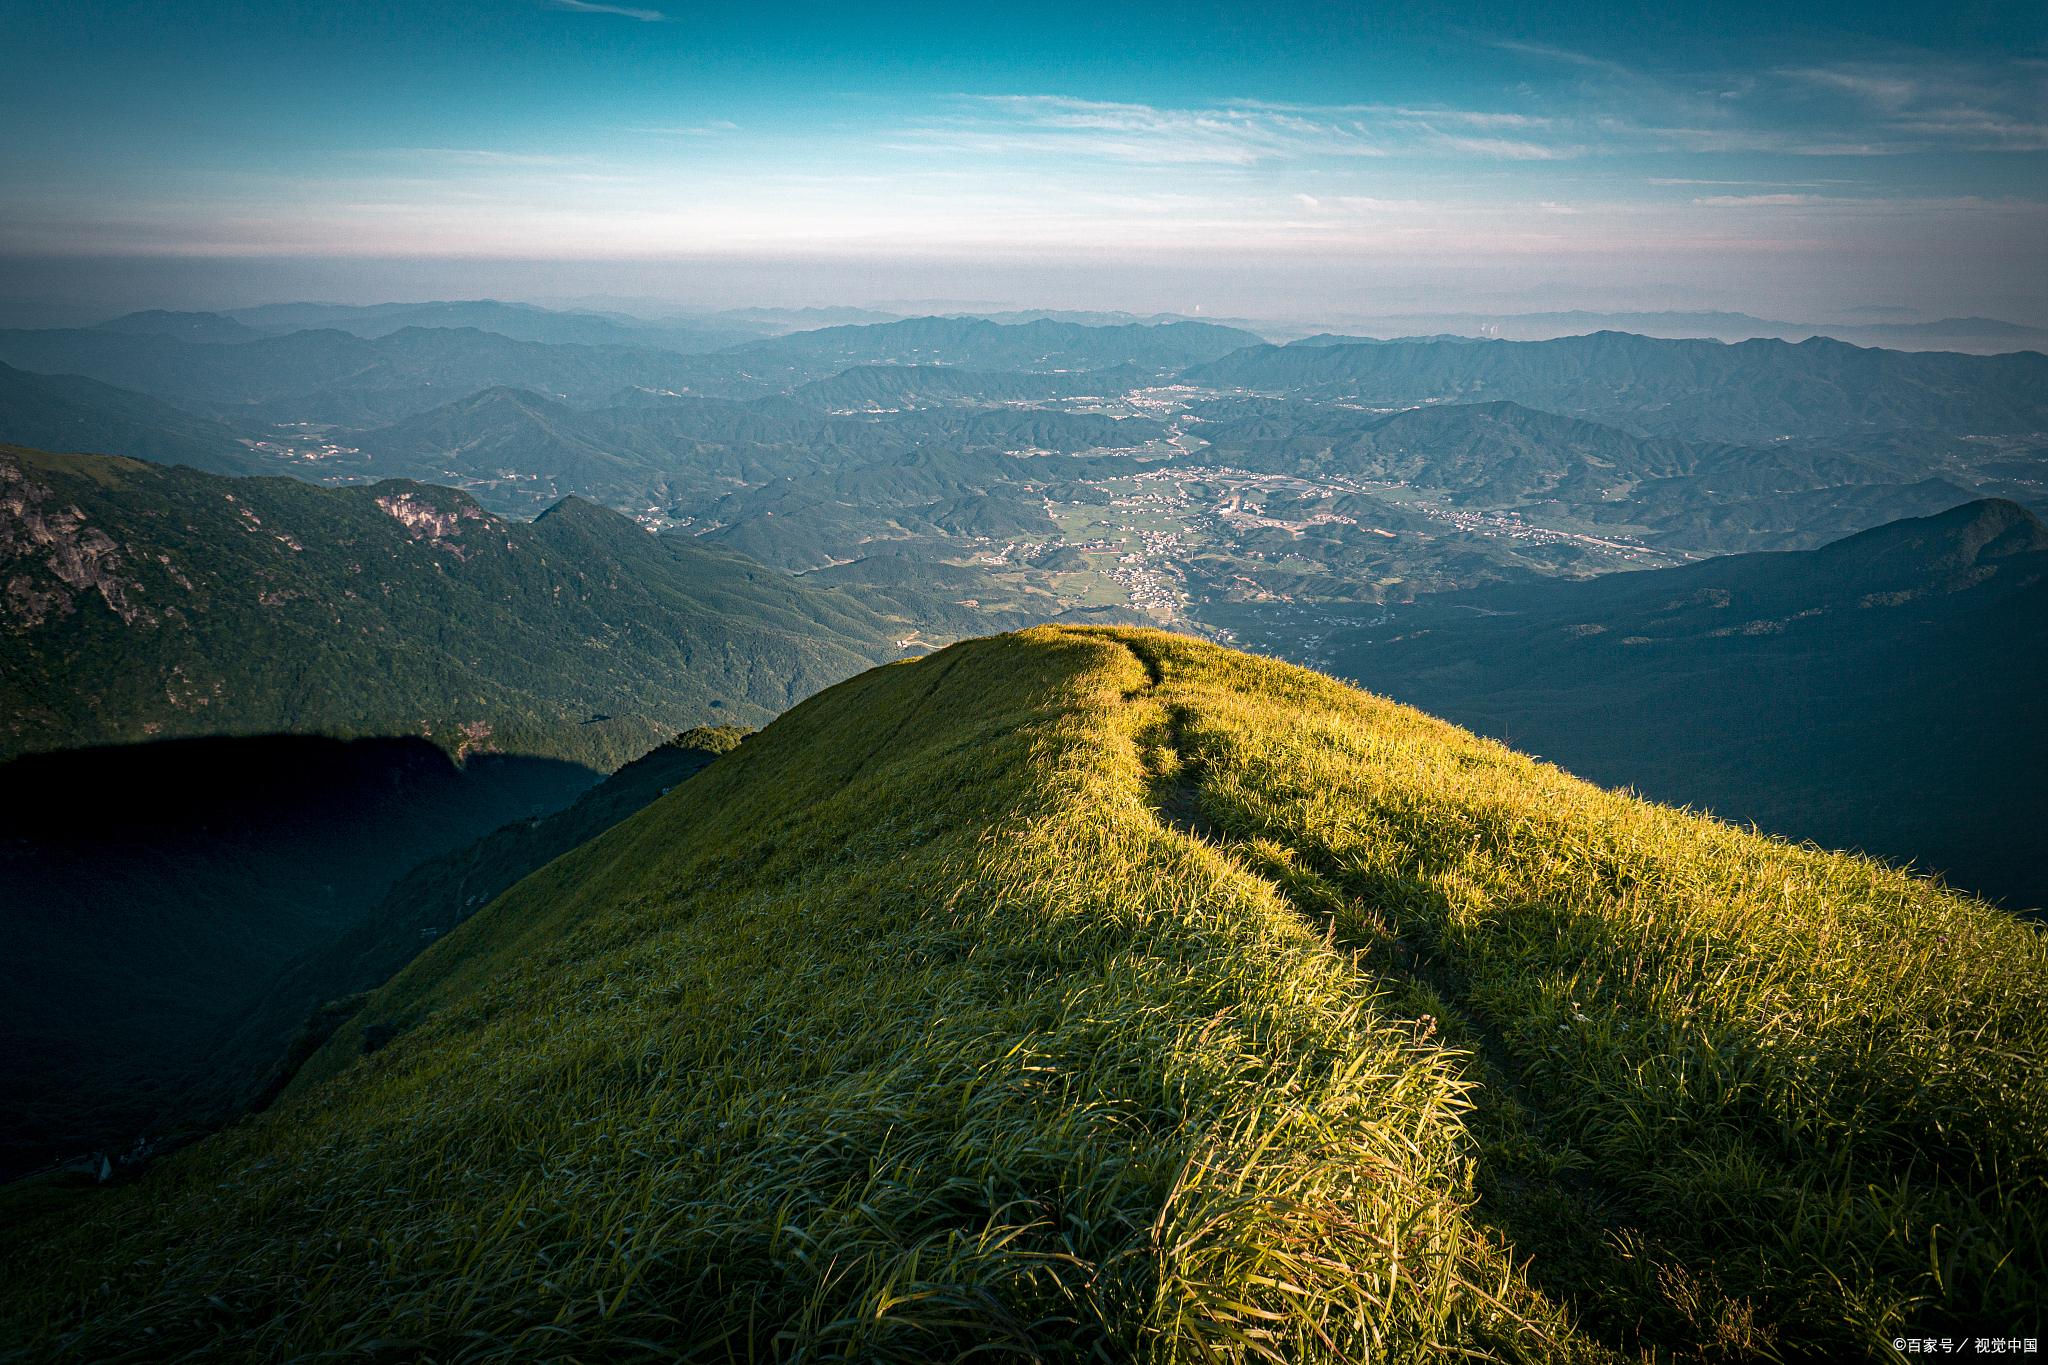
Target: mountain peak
{"type": "Point", "coordinates": [1093, 941]}
{"type": "Point", "coordinates": [1964, 545]}
{"type": "Point", "coordinates": [508, 393]}
{"type": "Point", "coordinates": [184, 326]}
{"type": "Point", "coordinates": [573, 508]}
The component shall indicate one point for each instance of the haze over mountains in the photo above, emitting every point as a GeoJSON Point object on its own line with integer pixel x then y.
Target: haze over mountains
{"type": "Point", "coordinates": [336, 376]}
{"type": "Point", "coordinates": [674, 439]}
{"type": "Point", "coordinates": [648, 322]}
{"type": "Point", "coordinates": [522, 322]}
{"type": "Point", "coordinates": [1896, 328]}
{"type": "Point", "coordinates": [1753, 391]}
{"type": "Point", "coordinates": [1185, 471]}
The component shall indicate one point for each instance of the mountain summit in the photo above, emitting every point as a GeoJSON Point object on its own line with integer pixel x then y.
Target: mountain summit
{"type": "Point", "coordinates": [1101, 994]}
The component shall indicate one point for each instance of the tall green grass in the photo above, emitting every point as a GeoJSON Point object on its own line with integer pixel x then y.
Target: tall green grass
{"type": "Point", "coordinates": [1101, 994]}
{"type": "Point", "coordinates": [1808, 1089]}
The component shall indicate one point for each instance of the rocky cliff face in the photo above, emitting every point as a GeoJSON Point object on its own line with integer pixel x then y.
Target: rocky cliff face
{"type": "Point", "coordinates": [49, 552]}
{"type": "Point", "coordinates": [140, 601]}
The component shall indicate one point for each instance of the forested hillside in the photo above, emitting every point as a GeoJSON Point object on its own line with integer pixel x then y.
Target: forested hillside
{"type": "Point", "coordinates": [146, 602]}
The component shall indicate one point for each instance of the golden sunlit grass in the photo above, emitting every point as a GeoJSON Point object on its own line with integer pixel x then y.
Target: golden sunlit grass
{"type": "Point", "coordinates": [1108, 994]}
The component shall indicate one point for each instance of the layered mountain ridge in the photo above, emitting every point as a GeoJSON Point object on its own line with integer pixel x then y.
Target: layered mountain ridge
{"type": "Point", "coordinates": [1754, 391]}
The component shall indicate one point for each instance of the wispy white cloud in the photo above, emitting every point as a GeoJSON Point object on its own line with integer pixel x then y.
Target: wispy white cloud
{"type": "Point", "coordinates": [476, 156]}
{"type": "Point", "coordinates": [1756, 200]}
{"type": "Point", "coordinates": [646, 16]}
{"type": "Point", "coordinates": [1504, 149]}
{"type": "Point", "coordinates": [1866, 108]}
{"type": "Point", "coordinates": [1797, 184]}
{"type": "Point", "coordinates": [1565, 55]}
{"type": "Point", "coordinates": [1604, 108]}
{"type": "Point", "coordinates": [1967, 106]}
{"type": "Point", "coordinates": [1241, 133]}
{"type": "Point", "coordinates": [1237, 135]}
{"type": "Point", "coordinates": [694, 130]}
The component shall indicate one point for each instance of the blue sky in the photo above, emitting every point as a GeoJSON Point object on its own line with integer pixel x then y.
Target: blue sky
{"type": "Point", "coordinates": [1756, 155]}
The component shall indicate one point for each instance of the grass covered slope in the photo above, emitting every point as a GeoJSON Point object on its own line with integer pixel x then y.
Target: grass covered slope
{"type": "Point", "coordinates": [436, 895]}
{"type": "Point", "coordinates": [1105, 991]}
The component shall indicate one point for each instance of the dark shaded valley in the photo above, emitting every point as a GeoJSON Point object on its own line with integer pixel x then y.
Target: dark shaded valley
{"type": "Point", "coordinates": [150, 890]}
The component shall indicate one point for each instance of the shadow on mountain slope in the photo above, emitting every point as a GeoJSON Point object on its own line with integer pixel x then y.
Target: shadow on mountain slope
{"type": "Point", "coordinates": [1882, 692]}
{"type": "Point", "coordinates": [276, 1031]}
{"type": "Point", "coordinates": [150, 890]}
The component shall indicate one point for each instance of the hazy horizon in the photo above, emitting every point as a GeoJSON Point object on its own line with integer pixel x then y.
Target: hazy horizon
{"type": "Point", "coordinates": [1793, 163]}
{"type": "Point", "coordinates": [82, 291]}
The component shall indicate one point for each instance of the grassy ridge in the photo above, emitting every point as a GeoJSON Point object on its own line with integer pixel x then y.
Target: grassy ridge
{"type": "Point", "coordinates": [1104, 991]}
{"type": "Point", "coordinates": [436, 894]}
{"type": "Point", "coordinates": [1813, 1084]}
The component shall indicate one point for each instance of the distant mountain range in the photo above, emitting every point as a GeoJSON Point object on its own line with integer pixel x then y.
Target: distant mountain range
{"type": "Point", "coordinates": [201, 327]}
{"type": "Point", "coordinates": [862, 439]}
{"type": "Point", "coordinates": [520, 321]}
{"type": "Point", "coordinates": [515, 449]}
{"type": "Point", "coordinates": [1882, 692]}
{"type": "Point", "coordinates": [1695, 496]}
{"type": "Point", "coordinates": [1043, 345]}
{"type": "Point", "coordinates": [731, 469]}
{"type": "Point", "coordinates": [1980, 335]}
{"type": "Point", "coordinates": [664, 327]}
{"type": "Point", "coordinates": [335, 377]}
{"type": "Point", "coordinates": [893, 387]}
{"type": "Point", "coordinates": [70, 412]}
{"type": "Point", "coordinates": [1754, 392]}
